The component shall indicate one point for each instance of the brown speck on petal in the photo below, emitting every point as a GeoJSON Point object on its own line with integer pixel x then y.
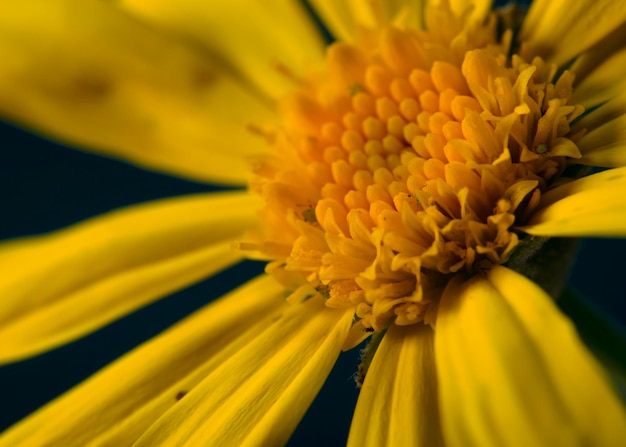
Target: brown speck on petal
{"type": "Point", "coordinates": [202, 78]}
{"type": "Point", "coordinates": [90, 86]}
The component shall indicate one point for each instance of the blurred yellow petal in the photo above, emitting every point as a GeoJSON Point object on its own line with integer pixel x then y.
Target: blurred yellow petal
{"type": "Point", "coordinates": [604, 145]}
{"type": "Point", "coordinates": [397, 404]}
{"type": "Point", "coordinates": [600, 211]}
{"type": "Point", "coordinates": [58, 287]}
{"type": "Point", "coordinates": [559, 30]}
{"type": "Point", "coordinates": [344, 18]}
{"type": "Point", "coordinates": [613, 108]}
{"type": "Point", "coordinates": [512, 370]}
{"type": "Point", "coordinates": [601, 89]}
{"type": "Point", "coordinates": [116, 405]}
{"type": "Point", "coordinates": [85, 73]}
{"type": "Point", "coordinates": [258, 395]}
{"type": "Point", "coordinates": [611, 178]}
{"type": "Point", "coordinates": [605, 81]}
{"type": "Point", "coordinates": [259, 39]}
{"type": "Point", "coordinates": [479, 8]}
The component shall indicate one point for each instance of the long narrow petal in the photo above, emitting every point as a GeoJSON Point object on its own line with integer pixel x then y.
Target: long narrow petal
{"type": "Point", "coordinates": [605, 81]}
{"type": "Point", "coordinates": [512, 370]}
{"type": "Point", "coordinates": [604, 145]}
{"type": "Point", "coordinates": [259, 39]}
{"type": "Point", "coordinates": [413, 14]}
{"type": "Point", "coordinates": [600, 85]}
{"type": "Point", "coordinates": [478, 8]}
{"type": "Point", "coordinates": [344, 18]}
{"type": "Point", "coordinates": [116, 405]}
{"type": "Point", "coordinates": [611, 178]}
{"type": "Point", "coordinates": [398, 402]}
{"type": "Point", "coordinates": [84, 72]}
{"type": "Point", "coordinates": [611, 109]}
{"type": "Point", "coordinates": [258, 395]}
{"type": "Point", "coordinates": [591, 206]}
{"type": "Point", "coordinates": [562, 29]}
{"type": "Point", "coordinates": [58, 287]}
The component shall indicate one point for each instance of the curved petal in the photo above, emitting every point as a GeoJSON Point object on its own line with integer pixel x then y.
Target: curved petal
{"type": "Point", "coordinates": [610, 178]}
{"type": "Point", "coordinates": [612, 108]}
{"type": "Point", "coordinates": [398, 402]}
{"type": "Point", "coordinates": [258, 395]}
{"type": "Point", "coordinates": [605, 81]}
{"type": "Point", "coordinates": [560, 29]}
{"type": "Point", "coordinates": [344, 18]}
{"type": "Point", "coordinates": [416, 14]}
{"type": "Point", "coordinates": [116, 405]}
{"type": "Point", "coordinates": [261, 40]}
{"type": "Point", "coordinates": [84, 72]}
{"type": "Point", "coordinates": [58, 287]}
{"type": "Point", "coordinates": [512, 370]}
{"type": "Point", "coordinates": [590, 206]}
{"type": "Point", "coordinates": [604, 145]}
{"type": "Point", "coordinates": [479, 8]}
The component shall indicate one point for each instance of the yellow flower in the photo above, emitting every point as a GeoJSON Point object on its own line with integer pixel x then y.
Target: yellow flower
{"type": "Point", "coordinates": [407, 175]}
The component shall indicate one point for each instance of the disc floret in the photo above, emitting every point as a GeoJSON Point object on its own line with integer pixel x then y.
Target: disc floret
{"type": "Point", "coordinates": [411, 158]}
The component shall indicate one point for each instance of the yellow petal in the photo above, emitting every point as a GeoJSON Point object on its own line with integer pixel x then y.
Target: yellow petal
{"type": "Point", "coordinates": [604, 145]}
{"type": "Point", "coordinates": [84, 72]}
{"type": "Point", "coordinates": [397, 405]}
{"type": "Point", "coordinates": [116, 405]}
{"type": "Point", "coordinates": [613, 107]}
{"type": "Point", "coordinates": [412, 14]}
{"type": "Point", "coordinates": [600, 84]}
{"type": "Point", "coordinates": [591, 206]}
{"type": "Point", "coordinates": [615, 178]}
{"type": "Point", "coordinates": [258, 395]}
{"type": "Point", "coordinates": [344, 18]}
{"type": "Point", "coordinates": [512, 370]}
{"type": "Point", "coordinates": [561, 29]}
{"type": "Point", "coordinates": [605, 81]}
{"type": "Point", "coordinates": [479, 8]}
{"type": "Point", "coordinates": [259, 39]}
{"type": "Point", "coordinates": [58, 287]}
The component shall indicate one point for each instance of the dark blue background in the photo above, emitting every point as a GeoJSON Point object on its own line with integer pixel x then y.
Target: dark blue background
{"type": "Point", "coordinates": [45, 186]}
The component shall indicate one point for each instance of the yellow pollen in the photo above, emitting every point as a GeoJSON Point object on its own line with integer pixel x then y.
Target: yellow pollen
{"type": "Point", "coordinates": [411, 159]}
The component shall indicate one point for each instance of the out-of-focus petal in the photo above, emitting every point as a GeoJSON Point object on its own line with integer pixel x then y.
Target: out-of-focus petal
{"type": "Point", "coordinates": [344, 18]}
{"type": "Point", "coordinates": [398, 401]}
{"type": "Point", "coordinates": [590, 206]}
{"type": "Point", "coordinates": [116, 405]}
{"type": "Point", "coordinates": [512, 370]}
{"type": "Point", "coordinates": [478, 8]}
{"type": "Point", "coordinates": [58, 287]}
{"type": "Point", "coordinates": [604, 179]}
{"type": "Point", "coordinates": [260, 40]}
{"type": "Point", "coordinates": [86, 73]}
{"type": "Point", "coordinates": [612, 108]}
{"type": "Point", "coordinates": [257, 396]}
{"type": "Point", "coordinates": [604, 145]}
{"type": "Point", "coordinates": [605, 81]}
{"type": "Point", "coordinates": [559, 30]}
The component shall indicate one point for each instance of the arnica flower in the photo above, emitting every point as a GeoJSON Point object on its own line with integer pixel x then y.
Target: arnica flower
{"type": "Point", "coordinates": [403, 184]}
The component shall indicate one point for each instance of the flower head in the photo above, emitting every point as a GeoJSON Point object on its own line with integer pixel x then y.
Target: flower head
{"type": "Point", "coordinates": [406, 178]}
{"type": "Point", "coordinates": [417, 155]}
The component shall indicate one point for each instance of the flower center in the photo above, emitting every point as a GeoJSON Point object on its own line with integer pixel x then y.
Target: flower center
{"type": "Point", "coordinates": [410, 159]}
